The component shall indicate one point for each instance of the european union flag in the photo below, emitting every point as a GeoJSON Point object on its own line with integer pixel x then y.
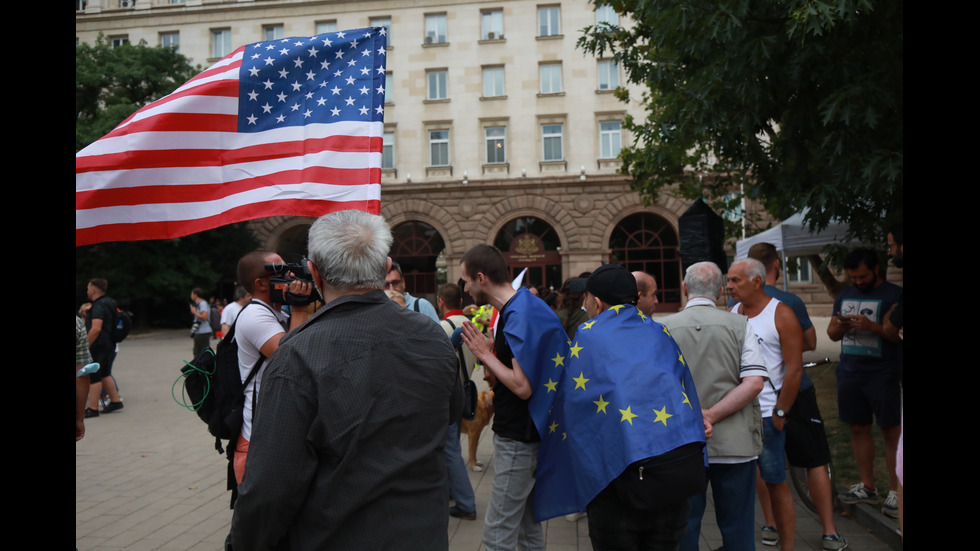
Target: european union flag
{"type": "Point", "coordinates": [626, 395]}
{"type": "Point", "coordinates": [540, 344]}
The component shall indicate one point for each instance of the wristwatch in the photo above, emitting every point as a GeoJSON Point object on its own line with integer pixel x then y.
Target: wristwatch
{"type": "Point", "coordinates": [781, 413]}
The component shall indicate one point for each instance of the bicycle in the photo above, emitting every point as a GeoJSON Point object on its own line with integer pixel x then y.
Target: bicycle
{"type": "Point", "coordinates": [799, 475]}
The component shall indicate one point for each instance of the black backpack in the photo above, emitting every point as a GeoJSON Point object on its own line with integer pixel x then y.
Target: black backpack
{"type": "Point", "coordinates": [214, 318]}
{"type": "Point", "coordinates": [120, 329]}
{"type": "Point", "coordinates": [470, 393]}
{"type": "Point", "coordinates": [213, 387]}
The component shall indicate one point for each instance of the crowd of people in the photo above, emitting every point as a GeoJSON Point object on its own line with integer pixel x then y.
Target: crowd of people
{"type": "Point", "coordinates": [353, 406]}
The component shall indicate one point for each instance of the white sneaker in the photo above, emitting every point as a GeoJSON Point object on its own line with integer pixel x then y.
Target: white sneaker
{"type": "Point", "coordinates": [770, 536]}
{"type": "Point", "coordinates": [859, 494]}
{"type": "Point", "coordinates": [890, 506]}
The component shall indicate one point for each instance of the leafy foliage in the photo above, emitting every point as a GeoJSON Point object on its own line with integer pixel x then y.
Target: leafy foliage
{"type": "Point", "coordinates": [154, 278]}
{"type": "Point", "coordinates": [797, 102]}
{"type": "Point", "coordinates": [111, 83]}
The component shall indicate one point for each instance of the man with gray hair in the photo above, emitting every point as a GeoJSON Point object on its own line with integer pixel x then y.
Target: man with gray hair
{"type": "Point", "coordinates": [806, 440]}
{"type": "Point", "coordinates": [723, 354]}
{"type": "Point", "coordinates": [347, 445]}
{"type": "Point", "coordinates": [781, 341]}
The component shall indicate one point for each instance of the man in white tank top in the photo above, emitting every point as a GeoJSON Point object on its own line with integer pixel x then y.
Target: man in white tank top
{"type": "Point", "coordinates": [781, 342]}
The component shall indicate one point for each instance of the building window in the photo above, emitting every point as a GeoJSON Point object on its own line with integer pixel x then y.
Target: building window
{"type": "Point", "coordinates": [549, 20]}
{"type": "Point", "coordinates": [605, 14]}
{"type": "Point", "coordinates": [551, 140]}
{"type": "Point", "coordinates": [117, 41]}
{"type": "Point", "coordinates": [798, 270]}
{"type": "Point", "coordinates": [170, 40]}
{"type": "Point", "coordinates": [418, 248]}
{"type": "Point", "coordinates": [608, 74]}
{"type": "Point", "coordinates": [273, 32]}
{"type": "Point", "coordinates": [388, 151]}
{"type": "Point", "coordinates": [177, 1]}
{"type": "Point", "coordinates": [326, 27]}
{"type": "Point", "coordinates": [648, 243]}
{"type": "Point", "coordinates": [492, 24]}
{"type": "Point", "coordinates": [126, 3]}
{"type": "Point", "coordinates": [550, 78]}
{"type": "Point", "coordinates": [610, 139]}
{"type": "Point", "coordinates": [382, 22]}
{"type": "Point", "coordinates": [493, 82]}
{"type": "Point", "coordinates": [438, 148]}
{"type": "Point", "coordinates": [496, 144]}
{"type": "Point", "coordinates": [388, 88]}
{"type": "Point", "coordinates": [80, 4]}
{"type": "Point", "coordinates": [435, 28]}
{"type": "Point", "coordinates": [436, 84]}
{"type": "Point", "coordinates": [220, 42]}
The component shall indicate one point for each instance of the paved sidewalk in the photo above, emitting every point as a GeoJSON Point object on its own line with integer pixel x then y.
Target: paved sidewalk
{"type": "Point", "coordinates": [148, 478]}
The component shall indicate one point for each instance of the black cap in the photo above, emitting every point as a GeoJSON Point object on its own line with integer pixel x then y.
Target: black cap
{"type": "Point", "coordinates": [612, 283]}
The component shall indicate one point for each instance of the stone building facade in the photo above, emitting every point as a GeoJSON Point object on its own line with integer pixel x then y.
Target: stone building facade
{"type": "Point", "coordinates": [498, 129]}
{"type": "Point", "coordinates": [572, 227]}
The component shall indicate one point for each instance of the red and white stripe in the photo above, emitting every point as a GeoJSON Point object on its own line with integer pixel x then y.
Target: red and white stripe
{"type": "Point", "coordinates": [178, 166]}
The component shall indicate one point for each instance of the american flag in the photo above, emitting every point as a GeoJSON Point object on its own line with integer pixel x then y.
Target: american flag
{"type": "Point", "coordinates": [287, 127]}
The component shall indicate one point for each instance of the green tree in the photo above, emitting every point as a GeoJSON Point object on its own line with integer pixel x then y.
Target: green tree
{"type": "Point", "coordinates": [111, 83]}
{"type": "Point", "coordinates": [154, 278]}
{"type": "Point", "coordinates": [799, 103]}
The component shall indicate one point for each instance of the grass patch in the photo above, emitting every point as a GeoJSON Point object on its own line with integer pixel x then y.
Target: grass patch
{"type": "Point", "coordinates": [839, 434]}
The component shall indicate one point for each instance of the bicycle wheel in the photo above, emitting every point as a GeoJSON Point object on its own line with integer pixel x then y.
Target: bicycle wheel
{"type": "Point", "coordinates": [799, 475]}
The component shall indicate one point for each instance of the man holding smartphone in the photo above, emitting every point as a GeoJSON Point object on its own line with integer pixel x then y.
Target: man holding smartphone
{"type": "Point", "coordinates": [867, 376]}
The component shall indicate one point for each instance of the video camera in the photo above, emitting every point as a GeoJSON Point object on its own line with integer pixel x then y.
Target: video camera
{"type": "Point", "coordinates": [286, 274]}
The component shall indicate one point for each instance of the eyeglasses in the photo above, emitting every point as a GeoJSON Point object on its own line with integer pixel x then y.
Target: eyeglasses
{"type": "Point", "coordinates": [393, 283]}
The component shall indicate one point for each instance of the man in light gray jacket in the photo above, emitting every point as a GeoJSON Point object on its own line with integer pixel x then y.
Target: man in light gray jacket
{"type": "Point", "coordinates": [729, 372]}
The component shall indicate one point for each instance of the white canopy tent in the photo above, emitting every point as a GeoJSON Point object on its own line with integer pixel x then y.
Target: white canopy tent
{"type": "Point", "coordinates": [791, 237]}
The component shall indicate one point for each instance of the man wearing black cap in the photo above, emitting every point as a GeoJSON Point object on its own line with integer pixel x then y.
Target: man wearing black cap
{"type": "Point", "coordinates": [631, 417]}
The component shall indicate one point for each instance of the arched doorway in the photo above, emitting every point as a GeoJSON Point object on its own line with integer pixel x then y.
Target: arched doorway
{"type": "Point", "coordinates": [648, 243]}
{"type": "Point", "coordinates": [417, 247]}
{"type": "Point", "coordinates": [293, 243]}
{"type": "Point", "coordinates": [529, 242]}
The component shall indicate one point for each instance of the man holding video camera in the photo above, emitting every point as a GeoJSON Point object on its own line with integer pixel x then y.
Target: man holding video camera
{"type": "Point", "coordinates": [259, 327]}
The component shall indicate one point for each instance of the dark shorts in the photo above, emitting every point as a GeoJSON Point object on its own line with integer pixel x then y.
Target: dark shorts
{"type": "Point", "coordinates": [104, 356]}
{"type": "Point", "coordinates": [806, 440]}
{"type": "Point", "coordinates": [864, 397]}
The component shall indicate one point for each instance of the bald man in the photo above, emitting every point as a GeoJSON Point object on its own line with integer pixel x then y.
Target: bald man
{"type": "Point", "coordinates": [646, 286]}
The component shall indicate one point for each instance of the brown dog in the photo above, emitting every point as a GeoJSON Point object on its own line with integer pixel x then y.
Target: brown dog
{"type": "Point", "coordinates": [473, 428]}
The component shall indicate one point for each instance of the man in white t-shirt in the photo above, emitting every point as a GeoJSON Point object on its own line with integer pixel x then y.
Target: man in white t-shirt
{"type": "Point", "coordinates": [781, 341]}
{"type": "Point", "coordinates": [230, 313]}
{"type": "Point", "coordinates": [258, 330]}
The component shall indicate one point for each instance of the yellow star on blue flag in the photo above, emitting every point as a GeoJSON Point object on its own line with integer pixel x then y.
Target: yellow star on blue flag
{"type": "Point", "coordinates": [540, 345]}
{"type": "Point", "coordinates": [626, 363]}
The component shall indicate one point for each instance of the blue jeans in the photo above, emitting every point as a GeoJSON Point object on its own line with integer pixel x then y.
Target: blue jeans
{"type": "Point", "coordinates": [460, 489]}
{"type": "Point", "coordinates": [772, 460]}
{"type": "Point", "coordinates": [509, 522]}
{"type": "Point", "coordinates": [733, 491]}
